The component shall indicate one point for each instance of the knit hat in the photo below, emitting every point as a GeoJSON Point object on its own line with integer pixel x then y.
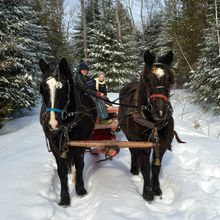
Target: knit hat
{"type": "Point", "coordinates": [101, 74]}
{"type": "Point", "coordinates": [83, 66]}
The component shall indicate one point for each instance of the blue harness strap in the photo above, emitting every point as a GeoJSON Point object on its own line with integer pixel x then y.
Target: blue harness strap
{"type": "Point", "coordinates": [54, 110]}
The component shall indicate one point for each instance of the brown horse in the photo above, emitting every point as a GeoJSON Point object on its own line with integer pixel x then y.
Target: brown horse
{"type": "Point", "coordinates": [152, 122]}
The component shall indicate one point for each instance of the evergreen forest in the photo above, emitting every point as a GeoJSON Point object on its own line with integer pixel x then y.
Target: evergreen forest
{"type": "Point", "coordinates": [110, 37]}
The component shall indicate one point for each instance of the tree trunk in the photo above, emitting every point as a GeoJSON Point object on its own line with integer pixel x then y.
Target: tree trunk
{"type": "Point", "coordinates": [131, 14]}
{"type": "Point", "coordinates": [93, 10]}
{"type": "Point", "coordinates": [142, 19]}
{"type": "Point", "coordinates": [84, 31]}
{"type": "Point", "coordinates": [118, 19]}
{"type": "Point", "coordinates": [183, 54]}
{"type": "Point", "coordinates": [103, 8]}
{"type": "Point", "coordinates": [217, 25]}
{"type": "Point", "coordinates": [174, 6]}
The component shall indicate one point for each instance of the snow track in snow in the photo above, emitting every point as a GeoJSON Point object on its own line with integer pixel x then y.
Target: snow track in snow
{"type": "Point", "coordinates": [190, 177]}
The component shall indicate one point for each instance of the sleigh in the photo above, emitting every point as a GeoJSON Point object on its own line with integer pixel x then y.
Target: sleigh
{"type": "Point", "coordinates": [103, 139]}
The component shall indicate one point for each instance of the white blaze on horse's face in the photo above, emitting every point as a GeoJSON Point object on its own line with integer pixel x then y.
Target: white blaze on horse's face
{"type": "Point", "coordinates": [159, 73]}
{"type": "Point", "coordinates": [52, 86]}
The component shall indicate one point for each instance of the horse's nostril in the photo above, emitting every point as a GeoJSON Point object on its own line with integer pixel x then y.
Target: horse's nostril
{"type": "Point", "coordinates": [53, 126]}
{"type": "Point", "coordinates": [50, 127]}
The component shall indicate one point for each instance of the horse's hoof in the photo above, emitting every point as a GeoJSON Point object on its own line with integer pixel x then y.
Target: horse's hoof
{"type": "Point", "coordinates": [64, 204]}
{"type": "Point", "coordinates": [80, 191]}
{"type": "Point", "coordinates": [149, 196]}
{"type": "Point", "coordinates": [157, 191]}
{"type": "Point", "coordinates": [134, 171]}
{"type": "Point", "coordinates": [65, 200]}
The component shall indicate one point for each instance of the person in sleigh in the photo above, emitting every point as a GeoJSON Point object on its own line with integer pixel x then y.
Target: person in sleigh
{"type": "Point", "coordinates": [90, 85]}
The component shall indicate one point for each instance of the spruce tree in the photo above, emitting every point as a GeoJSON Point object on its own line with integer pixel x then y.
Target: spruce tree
{"type": "Point", "coordinates": [20, 49]}
{"type": "Point", "coordinates": [51, 18]}
{"type": "Point", "coordinates": [205, 82]}
{"type": "Point", "coordinates": [188, 29]}
{"type": "Point", "coordinates": [154, 38]}
{"type": "Point", "coordinates": [76, 42]}
{"type": "Point", "coordinates": [164, 41]}
{"type": "Point", "coordinates": [107, 53]}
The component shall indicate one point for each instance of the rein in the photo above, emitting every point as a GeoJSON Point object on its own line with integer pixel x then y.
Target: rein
{"type": "Point", "coordinates": [143, 107]}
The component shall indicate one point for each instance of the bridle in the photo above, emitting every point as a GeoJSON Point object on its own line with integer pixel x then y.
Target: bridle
{"type": "Point", "coordinates": [157, 95]}
{"type": "Point", "coordinates": [61, 111]}
{"type": "Point", "coordinates": [56, 75]}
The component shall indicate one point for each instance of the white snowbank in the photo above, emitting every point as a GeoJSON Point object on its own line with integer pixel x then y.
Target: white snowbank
{"type": "Point", "coordinates": [190, 176]}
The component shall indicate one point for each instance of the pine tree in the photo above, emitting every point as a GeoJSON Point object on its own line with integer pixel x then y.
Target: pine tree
{"type": "Point", "coordinates": [51, 18]}
{"type": "Point", "coordinates": [156, 37]}
{"type": "Point", "coordinates": [164, 41]}
{"type": "Point", "coordinates": [107, 53]}
{"type": "Point", "coordinates": [188, 30]}
{"type": "Point", "coordinates": [152, 33]}
{"type": "Point", "coordinates": [205, 82]}
{"type": "Point", "coordinates": [76, 41]}
{"type": "Point", "coordinates": [20, 49]}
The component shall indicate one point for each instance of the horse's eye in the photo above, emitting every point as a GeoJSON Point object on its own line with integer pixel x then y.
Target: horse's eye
{"type": "Point", "coordinates": [59, 85]}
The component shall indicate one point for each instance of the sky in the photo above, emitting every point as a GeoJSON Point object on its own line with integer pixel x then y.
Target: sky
{"type": "Point", "coordinates": [135, 9]}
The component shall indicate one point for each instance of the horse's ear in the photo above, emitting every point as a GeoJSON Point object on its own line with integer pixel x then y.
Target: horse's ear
{"type": "Point", "coordinates": [168, 58]}
{"type": "Point", "coordinates": [41, 89]}
{"type": "Point", "coordinates": [43, 65]}
{"type": "Point", "coordinates": [63, 65]}
{"type": "Point", "coordinates": [171, 77]}
{"type": "Point", "coordinates": [149, 57]}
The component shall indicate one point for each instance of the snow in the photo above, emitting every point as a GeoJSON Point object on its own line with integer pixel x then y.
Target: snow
{"type": "Point", "coordinates": [190, 175]}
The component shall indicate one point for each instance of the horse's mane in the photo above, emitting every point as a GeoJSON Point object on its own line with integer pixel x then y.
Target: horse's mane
{"type": "Point", "coordinates": [129, 87]}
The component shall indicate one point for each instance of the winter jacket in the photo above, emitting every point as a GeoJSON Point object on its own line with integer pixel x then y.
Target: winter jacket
{"type": "Point", "coordinates": [101, 86]}
{"type": "Point", "coordinates": [86, 82]}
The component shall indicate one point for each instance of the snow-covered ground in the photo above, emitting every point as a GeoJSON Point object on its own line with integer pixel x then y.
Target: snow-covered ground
{"type": "Point", "coordinates": [190, 176]}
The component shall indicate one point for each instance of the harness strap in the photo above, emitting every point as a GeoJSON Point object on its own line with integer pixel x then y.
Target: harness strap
{"type": "Point", "coordinates": [159, 96]}
{"type": "Point", "coordinates": [141, 120]}
{"type": "Point", "coordinates": [54, 110]}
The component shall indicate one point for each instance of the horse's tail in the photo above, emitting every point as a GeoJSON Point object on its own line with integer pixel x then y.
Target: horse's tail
{"type": "Point", "coordinates": [177, 137]}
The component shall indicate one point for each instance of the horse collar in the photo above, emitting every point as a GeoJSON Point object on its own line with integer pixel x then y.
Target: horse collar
{"type": "Point", "coordinates": [140, 118]}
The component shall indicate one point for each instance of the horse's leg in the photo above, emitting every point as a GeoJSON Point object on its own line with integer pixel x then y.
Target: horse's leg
{"type": "Point", "coordinates": [145, 170]}
{"type": "Point", "coordinates": [79, 165]}
{"type": "Point", "coordinates": [62, 170]}
{"type": "Point", "coordinates": [155, 174]}
{"type": "Point", "coordinates": [135, 163]}
{"type": "Point", "coordinates": [155, 180]}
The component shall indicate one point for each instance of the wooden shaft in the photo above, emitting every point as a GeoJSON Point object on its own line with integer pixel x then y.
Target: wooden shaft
{"type": "Point", "coordinates": [111, 143]}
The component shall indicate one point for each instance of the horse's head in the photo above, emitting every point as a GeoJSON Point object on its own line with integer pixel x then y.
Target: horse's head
{"type": "Point", "coordinates": [55, 91]}
{"type": "Point", "coordinates": [157, 79]}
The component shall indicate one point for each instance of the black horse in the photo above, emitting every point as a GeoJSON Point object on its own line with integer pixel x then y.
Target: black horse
{"type": "Point", "coordinates": [67, 113]}
{"type": "Point", "coordinates": [153, 122]}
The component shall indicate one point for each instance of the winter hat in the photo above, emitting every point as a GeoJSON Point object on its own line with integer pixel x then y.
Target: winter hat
{"type": "Point", "coordinates": [83, 66]}
{"type": "Point", "coordinates": [101, 74]}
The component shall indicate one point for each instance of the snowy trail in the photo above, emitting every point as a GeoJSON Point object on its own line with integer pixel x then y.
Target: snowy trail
{"type": "Point", "coordinates": [190, 178]}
